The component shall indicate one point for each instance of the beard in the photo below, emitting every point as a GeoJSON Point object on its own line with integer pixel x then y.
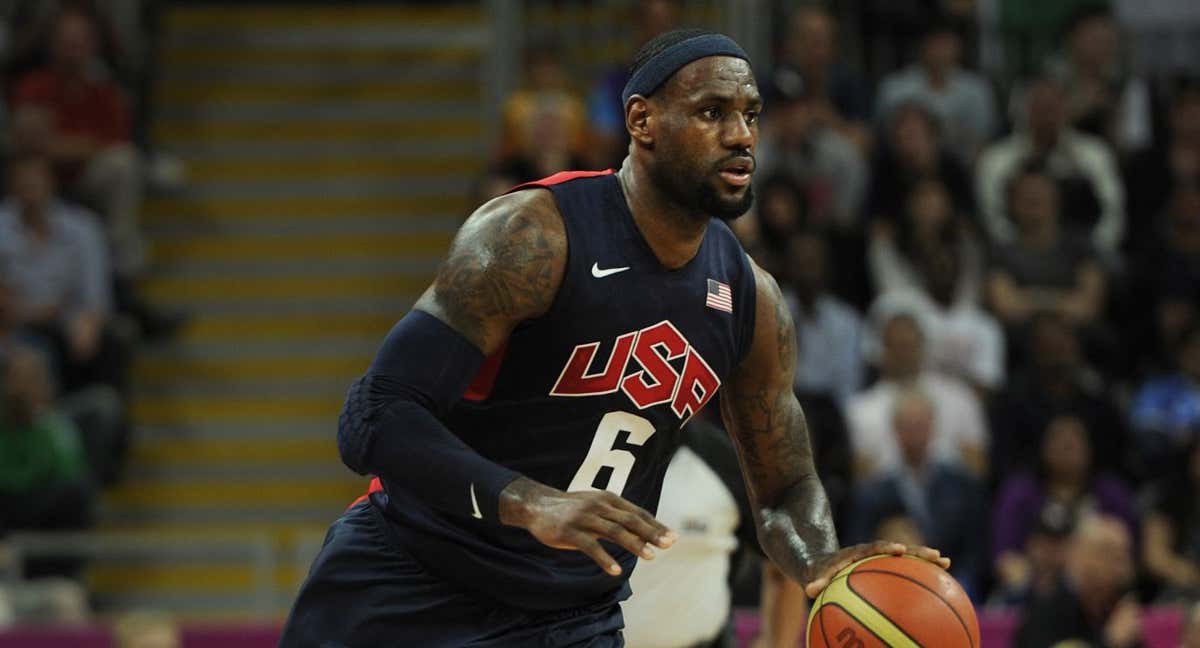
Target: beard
{"type": "Point", "coordinates": [691, 190]}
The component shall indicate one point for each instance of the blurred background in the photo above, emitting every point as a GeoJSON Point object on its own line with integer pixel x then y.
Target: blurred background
{"type": "Point", "coordinates": [985, 215]}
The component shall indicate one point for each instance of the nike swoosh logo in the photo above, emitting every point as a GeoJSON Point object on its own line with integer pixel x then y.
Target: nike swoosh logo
{"type": "Point", "coordinates": [600, 274]}
{"type": "Point", "coordinates": [475, 504]}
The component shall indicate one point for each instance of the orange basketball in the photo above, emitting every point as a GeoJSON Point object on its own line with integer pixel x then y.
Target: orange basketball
{"type": "Point", "coordinates": [893, 602]}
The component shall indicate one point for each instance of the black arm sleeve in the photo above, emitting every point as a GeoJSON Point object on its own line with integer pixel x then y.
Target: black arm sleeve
{"type": "Point", "coordinates": [390, 425]}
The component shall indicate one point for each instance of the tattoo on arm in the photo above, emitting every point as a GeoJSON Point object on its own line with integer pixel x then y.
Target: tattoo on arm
{"type": "Point", "coordinates": [771, 434]}
{"type": "Point", "coordinates": [505, 265]}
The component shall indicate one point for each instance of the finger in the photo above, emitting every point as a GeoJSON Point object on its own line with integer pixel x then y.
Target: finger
{"type": "Point", "coordinates": [932, 555]}
{"type": "Point", "coordinates": [592, 548]}
{"type": "Point", "coordinates": [647, 530]}
{"type": "Point", "coordinates": [622, 536]}
{"type": "Point", "coordinates": [648, 527]}
{"type": "Point", "coordinates": [849, 556]}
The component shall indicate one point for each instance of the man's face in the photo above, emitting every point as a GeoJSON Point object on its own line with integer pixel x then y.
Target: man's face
{"type": "Point", "coordinates": [902, 348]}
{"type": "Point", "coordinates": [941, 52]}
{"type": "Point", "coordinates": [704, 122]}
{"type": "Point", "coordinates": [1046, 111]}
{"type": "Point", "coordinates": [807, 254]}
{"type": "Point", "coordinates": [75, 40]}
{"type": "Point", "coordinates": [1095, 43]}
{"type": "Point", "coordinates": [812, 39]}
{"type": "Point", "coordinates": [30, 185]}
{"type": "Point", "coordinates": [1034, 201]}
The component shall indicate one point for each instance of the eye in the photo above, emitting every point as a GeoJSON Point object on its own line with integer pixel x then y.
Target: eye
{"type": "Point", "coordinates": [711, 113]}
{"type": "Point", "coordinates": [751, 116]}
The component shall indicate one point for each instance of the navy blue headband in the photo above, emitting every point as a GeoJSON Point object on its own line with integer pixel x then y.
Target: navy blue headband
{"type": "Point", "coordinates": [660, 68]}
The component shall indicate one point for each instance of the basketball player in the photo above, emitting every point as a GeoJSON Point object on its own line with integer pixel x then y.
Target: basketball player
{"type": "Point", "coordinates": [521, 417]}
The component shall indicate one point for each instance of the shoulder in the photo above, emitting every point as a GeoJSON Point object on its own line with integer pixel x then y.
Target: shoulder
{"type": "Point", "coordinates": [514, 218]}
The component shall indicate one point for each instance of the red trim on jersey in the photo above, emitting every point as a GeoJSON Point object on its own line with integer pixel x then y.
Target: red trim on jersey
{"type": "Point", "coordinates": [560, 177]}
{"type": "Point", "coordinates": [375, 486]}
{"type": "Point", "coordinates": [485, 380]}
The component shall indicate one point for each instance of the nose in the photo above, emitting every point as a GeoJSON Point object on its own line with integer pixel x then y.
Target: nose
{"type": "Point", "coordinates": [738, 134]}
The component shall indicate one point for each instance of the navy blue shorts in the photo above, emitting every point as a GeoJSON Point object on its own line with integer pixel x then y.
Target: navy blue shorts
{"type": "Point", "coordinates": [364, 589]}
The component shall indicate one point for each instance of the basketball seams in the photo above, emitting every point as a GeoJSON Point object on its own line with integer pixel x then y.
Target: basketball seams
{"type": "Point", "coordinates": [841, 587]}
{"type": "Point", "coordinates": [862, 624]}
{"type": "Point", "coordinates": [961, 622]}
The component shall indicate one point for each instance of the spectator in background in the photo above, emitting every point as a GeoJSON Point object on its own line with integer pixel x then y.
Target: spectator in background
{"type": "Point", "coordinates": [1165, 414]}
{"type": "Point", "coordinates": [944, 501]}
{"type": "Point", "coordinates": [1166, 282]}
{"type": "Point", "coordinates": [1102, 99]}
{"type": "Point", "coordinates": [927, 222]}
{"type": "Point", "coordinates": [1034, 572]}
{"type": "Point", "coordinates": [606, 114]}
{"type": "Point", "coordinates": [964, 341]}
{"type": "Point", "coordinates": [1064, 479]}
{"type": "Point", "coordinates": [1053, 379]}
{"type": "Point", "coordinates": [44, 482]}
{"type": "Point", "coordinates": [54, 255]}
{"type": "Point", "coordinates": [831, 172]}
{"type": "Point", "coordinates": [961, 100]}
{"type": "Point", "coordinates": [1092, 604]}
{"type": "Point", "coordinates": [544, 128]}
{"type": "Point", "coordinates": [73, 111]}
{"type": "Point", "coordinates": [1082, 165]}
{"type": "Point", "coordinates": [959, 434]}
{"type": "Point", "coordinates": [809, 64]}
{"type": "Point", "coordinates": [913, 152]}
{"type": "Point", "coordinates": [1171, 528]}
{"type": "Point", "coordinates": [1043, 267]}
{"type": "Point", "coordinates": [1154, 175]}
{"type": "Point", "coordinates": [828, 330]}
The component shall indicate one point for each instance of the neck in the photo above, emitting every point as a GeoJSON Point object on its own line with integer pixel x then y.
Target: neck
{"type": "Point", "coordinates": [34, 220]}
{"type": "Point", "coordinates": [937, 76]}
{"type": "Point", "coordinates": [1064, 488]}
{"type": "Point", "coordinates": [673, 233]}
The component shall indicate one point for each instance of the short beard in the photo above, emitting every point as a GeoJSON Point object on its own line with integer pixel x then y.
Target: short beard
{"type": "Point", "coordinates": [702, 200]}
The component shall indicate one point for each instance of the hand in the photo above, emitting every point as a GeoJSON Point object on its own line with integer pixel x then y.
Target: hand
{"type": "Point", "coordinates": [823, 569]}
{"type": "Point", "coordinates": [579, 520]}
{"type": "Point", "coordinates": [1124, 626]}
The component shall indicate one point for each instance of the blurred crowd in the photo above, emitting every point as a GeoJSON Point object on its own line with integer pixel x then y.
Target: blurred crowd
{"type": "Point", "coordinates": [71, 255]}
{"type": "Point", "coordinates": [994, 277]}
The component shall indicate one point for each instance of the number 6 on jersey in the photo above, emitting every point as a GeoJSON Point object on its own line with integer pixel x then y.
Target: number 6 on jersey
{"type": "Point", "coordinates": [602, 453]}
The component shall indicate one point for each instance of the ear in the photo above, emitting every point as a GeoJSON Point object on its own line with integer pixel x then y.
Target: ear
{"type": "Point", "coordinates": [638, 120]}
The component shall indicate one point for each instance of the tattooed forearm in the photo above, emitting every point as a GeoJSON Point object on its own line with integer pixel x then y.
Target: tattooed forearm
{"type": "Point", "coordinates": [505, 265]}
{"type": "Point", "coordinates": [771, 434]}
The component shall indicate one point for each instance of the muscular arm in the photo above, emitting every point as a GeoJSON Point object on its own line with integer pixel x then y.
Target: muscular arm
{"type": "Point", "coordinates": [795, 525]}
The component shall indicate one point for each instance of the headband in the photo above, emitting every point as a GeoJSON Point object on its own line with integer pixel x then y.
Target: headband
{"type": "Point", "coordinates": [661, 66]}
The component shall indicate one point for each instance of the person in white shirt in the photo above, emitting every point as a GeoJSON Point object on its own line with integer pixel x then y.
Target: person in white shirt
{"type": "Point", "coordinates": [682, 598]}
{"type": "Point", "coordinates": [1075, 160]}
{"type": "Point", "coordinates": [828, 330]}
{"type": "Point", "coordinates": [960, 433]}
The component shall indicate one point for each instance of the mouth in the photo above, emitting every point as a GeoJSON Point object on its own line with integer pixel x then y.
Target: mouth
{"type": "Point", "coordinates": [737, 172]}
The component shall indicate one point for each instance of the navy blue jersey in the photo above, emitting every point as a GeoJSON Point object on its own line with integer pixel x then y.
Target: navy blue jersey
{"type": "Point", "coordinates": [591, 395]}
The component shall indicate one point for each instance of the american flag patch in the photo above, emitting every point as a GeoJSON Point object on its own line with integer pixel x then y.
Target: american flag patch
{"type": "Point", "coordinates": [719, 296]}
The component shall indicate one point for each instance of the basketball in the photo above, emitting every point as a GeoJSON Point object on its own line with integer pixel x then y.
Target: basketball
{"type": "Point", "coordinates": [893, 601]}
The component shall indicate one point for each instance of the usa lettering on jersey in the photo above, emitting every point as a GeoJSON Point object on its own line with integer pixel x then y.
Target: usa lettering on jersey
{"type": "Point", "coordinates": [653, 366]}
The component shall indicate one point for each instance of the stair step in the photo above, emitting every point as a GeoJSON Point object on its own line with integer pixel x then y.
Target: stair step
{"type": "Point", "coordinates": [287, 207]}
{"type": "Point", "coordinates": [394, 166]}
{"type": "Point", "coordinates": [175, 452]}
{"type": "Point", "coordinates": [291, 93]}
{"type": "Point", "coordinates": [229, 494]}
{"type": "Point", "coordinates": [343, 55]}
{"type": "Point", "coordinates": [301, 16]}
{"type": "Point", "coordinates": [297, 247]}
{"type": "Point", "coordinates": [150, 409]}
{"type": "Point", "coordinates": [319, 121]}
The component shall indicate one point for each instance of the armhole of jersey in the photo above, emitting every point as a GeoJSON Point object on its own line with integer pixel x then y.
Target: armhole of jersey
{"type": "Point", "coordinates": [746, 334]}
